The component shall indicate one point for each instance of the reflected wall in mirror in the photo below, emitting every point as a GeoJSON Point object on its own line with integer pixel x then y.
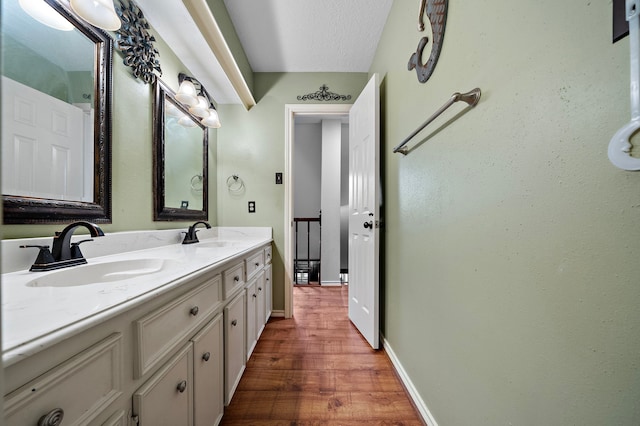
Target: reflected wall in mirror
{"type": "Point", "coordinates": [180, 144]}
{"type": "Point", "coordinates": [56, 116]}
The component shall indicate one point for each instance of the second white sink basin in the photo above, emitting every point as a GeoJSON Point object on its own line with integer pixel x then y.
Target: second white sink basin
{"type": "Point", "coordinates": [100, 272]}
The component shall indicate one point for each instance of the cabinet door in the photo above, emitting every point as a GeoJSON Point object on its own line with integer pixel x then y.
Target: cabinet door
{"type": "Point", "coordinates": [268, 288]}
{"type": "Point", "coordinates": [166, 399]}
{"type": "Point", "coordinates": [208, 367]}
{"type": "Point", "coordinates": [260, 304]}
{"type": "Point", "coordinates": [234, 341]}
{"type": "Point", "coordinates": [252, 303]}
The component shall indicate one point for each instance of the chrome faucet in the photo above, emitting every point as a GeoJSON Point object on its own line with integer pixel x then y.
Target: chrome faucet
{"type": "Point", "coordinates": [191, 236]}
{"type": "Point", "coordinates": [64, 253]}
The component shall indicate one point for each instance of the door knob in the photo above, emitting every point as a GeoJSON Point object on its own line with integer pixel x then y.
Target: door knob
{"type": "Point", "coordinates": [368, 225]}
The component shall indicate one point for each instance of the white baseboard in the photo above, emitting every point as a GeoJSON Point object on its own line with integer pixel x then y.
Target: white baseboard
{"type": "Point", "coordinates": [277, 313]}
{"type": "Point", "coordinates": [331, 283]}
{"type": "Point", "coordinates": [413, 393]}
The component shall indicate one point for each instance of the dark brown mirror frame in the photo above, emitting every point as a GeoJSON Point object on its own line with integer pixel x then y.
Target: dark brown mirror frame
{"type": "Point", "coordinates": [160, 211]}
{"type": "Point", "coordinates": [22, 210]}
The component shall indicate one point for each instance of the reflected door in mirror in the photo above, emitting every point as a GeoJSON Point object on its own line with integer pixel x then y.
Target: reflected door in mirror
{"type": "Point", "coordinates": [56, 116]}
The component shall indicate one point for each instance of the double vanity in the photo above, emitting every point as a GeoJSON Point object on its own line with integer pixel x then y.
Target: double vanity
{"type": "Point", "coordinates": [149, 332]}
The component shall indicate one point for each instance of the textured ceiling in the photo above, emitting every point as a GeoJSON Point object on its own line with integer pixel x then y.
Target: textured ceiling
{"type": "Point", "coordinates": [277, 36]}
{"type": "Point", "coordinates": [309, 35]}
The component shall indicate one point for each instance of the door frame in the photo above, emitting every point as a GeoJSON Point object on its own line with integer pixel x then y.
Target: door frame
{"type": "Point", "coordinates": [290, 113]}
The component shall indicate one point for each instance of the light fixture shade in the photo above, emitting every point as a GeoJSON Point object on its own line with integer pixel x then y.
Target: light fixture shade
{"type": "Point", "coordinates": [187, 93]}
{"type": "Point", "coordinates": [186, 121]}
{"type": "Point", "coordinates": [99, 13]}
{"type": "Point", "coordinates": [45, 14]}
{"type": "Point", "coordinates": [201, 109]}
{"type": "Point", "coordinates": [172, 110]}
{"type": "Point", "coordinates": [212, 120]}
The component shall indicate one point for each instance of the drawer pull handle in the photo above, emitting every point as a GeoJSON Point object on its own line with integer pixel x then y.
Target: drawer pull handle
{"type": "Point", "coordinates": [194, 311]}
{"type": "Point", "coordinates": [52, 418]}
{"type": "Point", "coordinates": [182, 386]}
{"type": "Point", "coordinates": [236, 278]}
{"type": "Point", "coordinates": [234, 323]}
{"type": "Point", "coordinates": [206, 356]}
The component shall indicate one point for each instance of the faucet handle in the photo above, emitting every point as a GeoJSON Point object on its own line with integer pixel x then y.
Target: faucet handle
{"type": "Point", "coordinates": [44, 255]}
{"type": "Point", "coordinates": [75, 249]}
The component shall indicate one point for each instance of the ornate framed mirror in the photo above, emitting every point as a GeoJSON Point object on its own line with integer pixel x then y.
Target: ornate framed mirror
{"type": "Point", "coordinates": [56, 122]}
{"type": "Point", "coordinates": [180, 164]}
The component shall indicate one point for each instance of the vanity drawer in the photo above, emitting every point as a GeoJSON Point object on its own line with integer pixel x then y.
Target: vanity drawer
{"type": "Point", "coordinates": [267, 255]}
{"type": "Point", "coordinates": [158, 333]}
{"type": "Point", "coordinates": [82, 387]}
{"type": "Point", "coordinates": [254, 264]}
{"type": "Point", "coordinates": [233, 279]}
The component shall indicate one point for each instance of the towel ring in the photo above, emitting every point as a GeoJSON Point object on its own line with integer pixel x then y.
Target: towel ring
{"type": "Point", "coordinates": [235, 183]}
{"type": "Point", "coordinates": [196, 182]}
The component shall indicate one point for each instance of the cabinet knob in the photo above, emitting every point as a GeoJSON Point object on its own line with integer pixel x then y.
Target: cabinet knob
{"type": "Point", "coordinates": [182, 386]}
{"type": "Point", "coordinates": [254, 295]}
{"type": "Point", "coordinates": [236, 278]}
{"type": "Point", "coordinates": [52, 418]}
{"type": "Point", "coordinates": [259, 288]}
{"type": "Point", "coordinates": [194, 311]}
{"type": "Point", "coordinates": [257, 264]}
{"type": "Point", "coordinates": [234, 323]}
{"type": "Point", "coordinates": [206, 356]}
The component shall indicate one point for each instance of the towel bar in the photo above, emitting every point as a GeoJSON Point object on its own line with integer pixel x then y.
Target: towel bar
{"type": "Point", "coordinates": [472, 97]}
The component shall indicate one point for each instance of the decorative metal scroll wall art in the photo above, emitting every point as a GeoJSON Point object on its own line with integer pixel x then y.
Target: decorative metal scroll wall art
{"type": "Point", "coordinates": [323, 95]}
{"type": "Point", "coordinates": [136, 44]}
{"type": "Point", "coordinates": [437, 14]}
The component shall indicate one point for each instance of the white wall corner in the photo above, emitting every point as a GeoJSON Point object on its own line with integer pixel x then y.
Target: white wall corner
{"type": "Point", "coordinates": [413, 392]}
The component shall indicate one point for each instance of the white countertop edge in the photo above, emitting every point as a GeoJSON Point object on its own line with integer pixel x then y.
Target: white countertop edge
{"type": "Point", "coordinates": [31, 347]}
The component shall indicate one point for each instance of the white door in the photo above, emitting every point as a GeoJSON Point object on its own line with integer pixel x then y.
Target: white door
{"type": "Point", "coordinates": [43, 150]}
{"type": "Point", "coordinates": [364, 211]}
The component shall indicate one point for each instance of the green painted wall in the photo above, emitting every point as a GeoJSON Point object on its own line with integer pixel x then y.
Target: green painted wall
{"type": "Point", "coordinates": [132, 187]}
{"type": "Point", "coordinates": [22, 64]}
{"type": "Point", "coordinates": [511, 272]}
{"type": "Point", "coordinates": [251, 145]}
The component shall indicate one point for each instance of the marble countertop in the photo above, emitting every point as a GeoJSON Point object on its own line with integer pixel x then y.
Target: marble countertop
{"type": "Point", "coordinates": [35, 317]}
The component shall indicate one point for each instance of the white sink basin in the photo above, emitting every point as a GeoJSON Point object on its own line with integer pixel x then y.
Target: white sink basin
{"type": "Point", "coordinates": [100, 272]}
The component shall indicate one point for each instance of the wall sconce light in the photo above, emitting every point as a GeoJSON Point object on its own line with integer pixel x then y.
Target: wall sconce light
{"type": "Point", "coordinates": [198, 100]}
{"type": "Point", "coordinates": [43, 12]}
{"type": "Point", "coordinates": [99, 13]}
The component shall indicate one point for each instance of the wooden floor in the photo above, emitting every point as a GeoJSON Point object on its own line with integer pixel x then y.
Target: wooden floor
{"type": "Point", "coordinates": [316, 369]}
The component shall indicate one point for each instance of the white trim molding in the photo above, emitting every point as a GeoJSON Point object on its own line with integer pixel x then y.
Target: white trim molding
{"type": "Point", "coordinates": [290, 112]}
{"type": "Point", "coordinates": [277, 313]}
{"type": "Point", "coordinates": [413, 392]}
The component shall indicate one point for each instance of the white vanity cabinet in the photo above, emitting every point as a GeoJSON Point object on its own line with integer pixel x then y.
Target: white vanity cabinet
{"type": "Point", "coordinates": [234, 343]}
{"type": "Point", "coordinates": [258, 295]}
{"type": "Point", "coordinates": [208, 373]}
{"type": "Point", "coordinates": [167, 398]}
{"type": "Point", "coordinates": [268, 290]}
{"type": "Point", "coordinates": [251, 297]}
{"type": "Point", "coordinates": [188, 389]}
{"type": "Point", "coordinates": [77, 391]}
{"type": "Point", "coordinates": [172, 357]}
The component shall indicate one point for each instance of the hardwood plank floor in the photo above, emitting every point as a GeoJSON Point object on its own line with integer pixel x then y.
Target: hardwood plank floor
{"type": "Point", "coordinates": [316, 369]}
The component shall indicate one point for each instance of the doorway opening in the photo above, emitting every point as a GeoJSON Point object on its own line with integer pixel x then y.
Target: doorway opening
{"type": "Point", "coordinates": [311, 182]}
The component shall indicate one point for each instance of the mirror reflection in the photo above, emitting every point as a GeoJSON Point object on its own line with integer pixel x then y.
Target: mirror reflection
{"type": "Point", "coordinates": [180, 144]}
{"type": "Point", "coordinates": [56, 77]}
